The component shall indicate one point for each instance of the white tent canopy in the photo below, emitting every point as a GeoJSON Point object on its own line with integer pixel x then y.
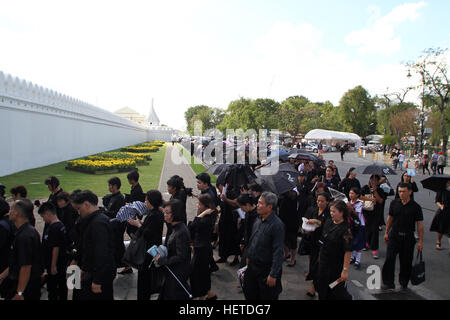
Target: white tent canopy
{"type": "Point", "coordinates": [333, 137]}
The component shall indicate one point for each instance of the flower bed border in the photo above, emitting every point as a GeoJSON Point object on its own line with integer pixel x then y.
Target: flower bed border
{"type": "Point", "coordinates": [82, 170]}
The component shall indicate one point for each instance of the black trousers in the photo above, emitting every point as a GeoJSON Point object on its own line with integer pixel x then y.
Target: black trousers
{"type": "Point", "coordinates": [255, 286]}
{"type": "Point", "coordinates": [403, 246]}
{"type": "Point", "coordinates": [87, 294]}
{"type": "Point", "coordinates": [425, 167]}
{"type": "Point", "coordinates": [440, 169]}
{"type": "Point", "coordinates": [372, 231]}
{"type": "Point", "coordinates": [57, 286]}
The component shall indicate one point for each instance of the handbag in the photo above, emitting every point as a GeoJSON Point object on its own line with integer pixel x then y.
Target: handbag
{"type": "Point", "coordinates": [369, 205]}
{"type": "Point", "coordinates": [418, 270]}
{"type": "Point", "coordinates": [135, 253]}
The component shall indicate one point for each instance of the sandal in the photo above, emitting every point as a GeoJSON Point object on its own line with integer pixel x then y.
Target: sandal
{"type": "Point", "coordinates": [311, 295]}
{"type": "Point", "coordinates": [438, 246]}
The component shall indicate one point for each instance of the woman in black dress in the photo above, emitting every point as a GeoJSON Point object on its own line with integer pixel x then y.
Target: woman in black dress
{"type": "Point", "coordinates": [289, 216]}
{"type": "Point", "coordinates": [349, 182]}
{"type": "Point", "coordinates": [316, 215]}
{"type": "Point", "coordinates": [151, 229]}
{"type": "Point", "coordinates": [179, 254]}
{"type": "Point", "coordinates": [335, 254]}
{"type": "Point", "coordinates": [441, 221]}
{"type": "Point", "coordinates": [228, 229]}
{"type": "Point", "coordinates": [201, 229]}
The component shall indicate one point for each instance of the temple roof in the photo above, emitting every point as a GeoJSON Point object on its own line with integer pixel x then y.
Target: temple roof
{"type": "Point", "coordinates": [152, 117]}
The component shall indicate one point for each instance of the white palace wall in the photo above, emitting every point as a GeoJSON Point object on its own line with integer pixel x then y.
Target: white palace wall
{"type": "Point", "coordinates": [39, 127]}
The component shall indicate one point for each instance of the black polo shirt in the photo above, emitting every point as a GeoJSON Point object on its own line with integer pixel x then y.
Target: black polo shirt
{"type": "Point", "coordinates": [55, 236]}
{"type": "Point", "coordinates": [26, 250]}
{"type": "Point", "coordinates": [405, 216]}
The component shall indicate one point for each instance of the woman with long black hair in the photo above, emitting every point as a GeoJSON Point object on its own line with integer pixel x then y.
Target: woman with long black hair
{"type": "Point", "coordinates": [335, 254]}
{"type": "Point", "coordinates": [201, 229]}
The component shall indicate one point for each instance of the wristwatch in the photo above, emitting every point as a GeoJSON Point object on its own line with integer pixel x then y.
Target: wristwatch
{"type": "Point", "coordinates": [345, 269]}
{"type": "Point", "coordinates": [20, 293]}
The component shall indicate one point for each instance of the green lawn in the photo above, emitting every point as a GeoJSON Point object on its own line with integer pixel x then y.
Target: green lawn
{"type": "Point", "coordinates": [71, 180]}
{"type": "Point", "coordinates": [198, 168]}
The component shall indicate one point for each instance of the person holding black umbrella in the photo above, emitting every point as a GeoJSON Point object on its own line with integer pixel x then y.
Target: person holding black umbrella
{"type": "Point", "coordinates": [441, 220]}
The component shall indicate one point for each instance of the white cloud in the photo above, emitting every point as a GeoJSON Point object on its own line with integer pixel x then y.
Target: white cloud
{"type": "Point", "coordinates": [380, 36]}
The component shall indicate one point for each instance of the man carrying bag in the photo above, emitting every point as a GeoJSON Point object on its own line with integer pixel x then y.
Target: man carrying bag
{"type": "Point", "coordinates": [404, 214]}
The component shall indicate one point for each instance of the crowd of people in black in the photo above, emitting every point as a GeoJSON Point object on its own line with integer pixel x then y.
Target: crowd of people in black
{"type": "Point", "coordinates": [259, 229]}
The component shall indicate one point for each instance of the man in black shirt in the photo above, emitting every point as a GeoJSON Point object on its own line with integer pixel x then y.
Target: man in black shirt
{"type": "Point", "coordinates": [54, 245]}
{"type": "Point", "coordinates": [96, 256]}
{"type": "Point", "coordinates": [25, 268]}
{"type": "Point", "coordinates": [52, 183]}
{"type": "Point", "coordinates": [404, 214]}
{"type": "Point", "coordinates": [114, 201]}
{"type": "Point", "coordinates": [136, 193]}
{"type": "Point", "coordinates": [262, 279]}
{"type": "Point", "coordinates": [205, 187]}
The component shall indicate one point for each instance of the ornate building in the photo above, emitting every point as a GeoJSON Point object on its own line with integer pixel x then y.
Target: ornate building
{"type": "Point", "coordinates": [132, 115]}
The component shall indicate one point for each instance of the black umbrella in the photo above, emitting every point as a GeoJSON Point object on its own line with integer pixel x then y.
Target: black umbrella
{"type": "Point", "coordinates": [436, 183]}
{"type": "Point", "coordinates": [379, 169]}
{"type": "Point", "coordinates": [284, 180]}
{"type": "Point", "coordinates": [217, 168]}
{"type": "Point", "coordinates": [236, 175]}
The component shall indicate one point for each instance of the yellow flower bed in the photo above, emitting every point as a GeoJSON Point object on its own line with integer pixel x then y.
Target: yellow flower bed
{"type": "Point", "coordinates": [102, 165]}
{"type": "Point", "coordinates": [139, 149]}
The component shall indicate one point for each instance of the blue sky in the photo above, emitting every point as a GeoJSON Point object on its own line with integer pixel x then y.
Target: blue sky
{"type": "Point", "coordinates": [185, 53]}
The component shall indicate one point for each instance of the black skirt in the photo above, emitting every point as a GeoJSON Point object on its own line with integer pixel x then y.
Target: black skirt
{"type": "Point", "coordinates": [200, 278]}
{"type": "Point", "coordinates": [441, 222]}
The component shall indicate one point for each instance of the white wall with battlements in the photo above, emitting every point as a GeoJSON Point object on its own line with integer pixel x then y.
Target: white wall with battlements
{"type": "Point", "coordinates": [39, 127]}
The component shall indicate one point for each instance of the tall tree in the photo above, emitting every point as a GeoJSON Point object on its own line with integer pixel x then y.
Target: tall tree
{"type": "Point", "coordinates": [432, 68]}
{"type": "Point", "coordinates": [248, 114]}
{"type": "Point", "coordinates": [209, 117]}
{"type": "Point", "coordinates": [290, 114]}
{"type": "Point", "coordinates": [358, 111]}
